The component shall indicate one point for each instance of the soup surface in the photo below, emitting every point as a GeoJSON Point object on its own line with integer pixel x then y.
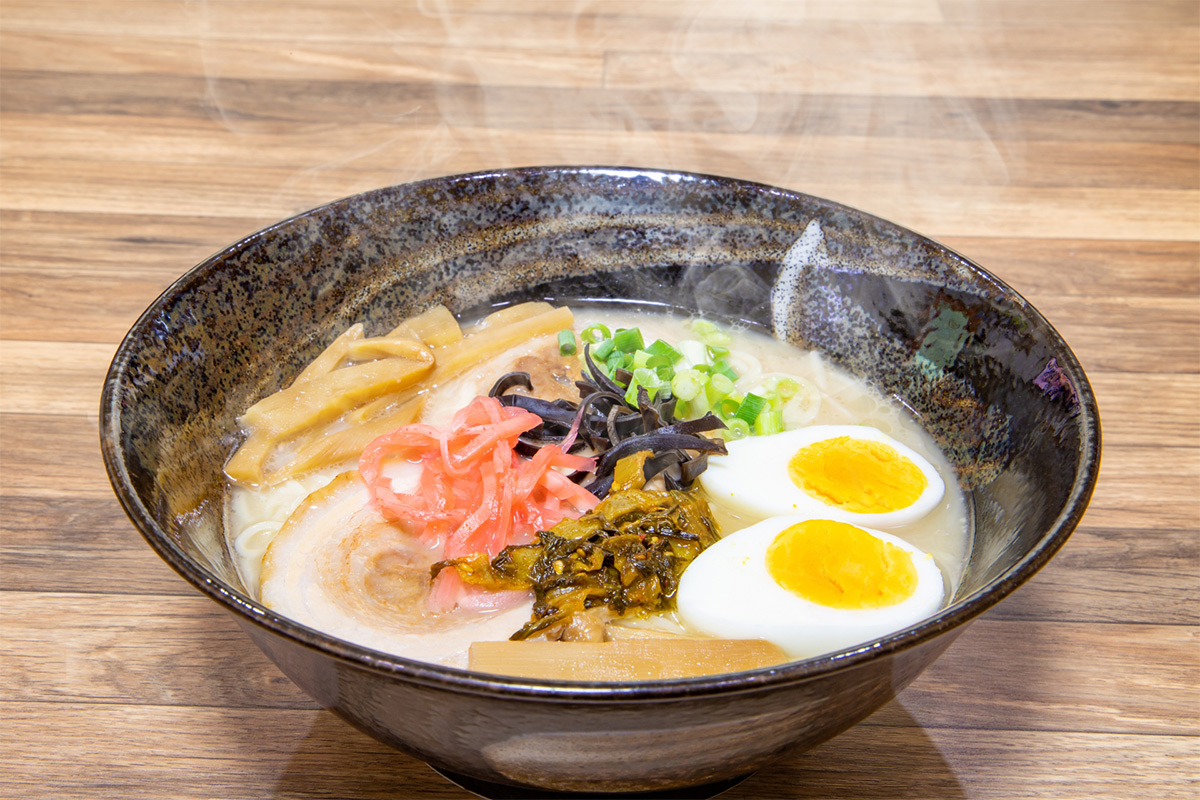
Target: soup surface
{"type": "Point", "coordinates": [838, 520]}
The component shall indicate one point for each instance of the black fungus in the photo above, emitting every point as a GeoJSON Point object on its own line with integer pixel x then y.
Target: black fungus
{"type": "Point", "coordinates": [613, 429]}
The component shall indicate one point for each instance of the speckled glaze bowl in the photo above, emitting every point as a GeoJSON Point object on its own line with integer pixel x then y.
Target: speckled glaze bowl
{"type": "Point", "coordinates": [993, 382]}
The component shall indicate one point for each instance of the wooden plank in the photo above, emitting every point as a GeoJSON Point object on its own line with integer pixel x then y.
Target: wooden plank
{"type": "Point", "coordinates": [1071, 13]}
{"type": "Point", "coordinates": [1148, 407]}
{"type": "Point", "coordinates": [36, 302]}
{"type": "Point", "coordinates": [976, 161]}
{"type": "Point", "coordinates": [869, 762]}
{"type": "Point", "coordinates": [174, 102]}
{"type": "Point", "coordinates": [1101, 576]}
{"type": "Point", "coordinates": [59, 378]}
{"type": "Point", "coordinates": [938, 210]}
{"type": "Point", "coordinates": [48, 456]}
{"type": "Point", "coordinates": [63, 245]}
{"type": "Point", "coordinates": [1063, 676]}
{"type": "Point", "coordinates": [1103, 214]}
{"type": "Point", "coordinates": [45, 453]}
{"type": "Point", "coordinates": [1080, 267]}
{"type": "Point", "coordinates": [1156, 335]}
{"type": "Point", "coordinates": [192, 653]}
{"type": "Point", "coordinates": [154, 248]}
{"type": "Point", "coordinates": [378, 20]}
{"type": "Point", "coordinates": [178, 752]}
{"type": "Point", "coordinates": [883, 28]}
{"type": "Point", "coordinates": [307, 59]}
{"type": "Point", "coordinates": [84, 544]}
{"type": "Point", "coordinates": [1144, 488]}
{"type": "Point", "coordinates": [869, 74]}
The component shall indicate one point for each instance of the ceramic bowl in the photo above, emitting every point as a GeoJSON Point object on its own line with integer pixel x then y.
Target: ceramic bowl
{"type": "Point", "coordinates": [992, 381]}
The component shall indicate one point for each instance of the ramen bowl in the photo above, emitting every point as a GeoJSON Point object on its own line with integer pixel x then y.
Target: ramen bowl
{"type": "Point", "coordinates": [992, 382]}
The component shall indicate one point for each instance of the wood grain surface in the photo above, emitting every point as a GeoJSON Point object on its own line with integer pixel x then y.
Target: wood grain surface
{"type": "Point", "coordinates": [1056, 142]}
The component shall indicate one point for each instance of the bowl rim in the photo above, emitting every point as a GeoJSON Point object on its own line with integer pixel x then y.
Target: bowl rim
{"type": "Point", "coordinates": [247, 609]}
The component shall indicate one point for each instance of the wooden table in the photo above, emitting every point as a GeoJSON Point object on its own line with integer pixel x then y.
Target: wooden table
{"type": "Point", "coordinates": [1057, 142]}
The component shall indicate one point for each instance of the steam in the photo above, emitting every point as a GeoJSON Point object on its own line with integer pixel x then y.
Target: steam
{"type": "Point", "coordinates": [804, 254]}
{"type": "Point", "coordinates": [872, 111]}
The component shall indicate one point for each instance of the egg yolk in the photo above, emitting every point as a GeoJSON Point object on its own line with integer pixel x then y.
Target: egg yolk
{"type": "Point", "coordinates": [857, 475]}
{"type": "Point", "coordinates": [837, 565]}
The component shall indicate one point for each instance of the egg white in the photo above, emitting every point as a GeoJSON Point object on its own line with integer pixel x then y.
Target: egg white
{"type": "Point", "coordinates": [728, 592]}
{"type": "Point", "coordinates": [752, 480]}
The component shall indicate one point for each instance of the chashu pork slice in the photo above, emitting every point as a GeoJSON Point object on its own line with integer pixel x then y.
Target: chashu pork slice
{"type": "Point", "coordinates": [338, 566]}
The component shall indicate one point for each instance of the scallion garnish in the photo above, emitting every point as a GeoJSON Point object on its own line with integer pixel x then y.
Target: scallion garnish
{"type": "Point", "coordinates": [687, 384]}
{"type": "Point", "coordinates": [736, 429]}
{"type": "Point", "coordinates": [601, 350]}
{"type": "Point", "coordinates": [768, 422]}
{"type": "Point", "coordinates": [628, 340]}
{"type": "Point", "coordinates": [660, 348]}
{"type": "Point", "coordinates": [566, 343]}
{"type": "Point", "coordinates": [786, 388]}
{"type": "Point", "coordinates": [595, 334]}
{"type": "Point", "coordinates": [726, 408]}
{"type": "Point", "coordinates": [719, 385]}
{"type": "Point", "coordinates": [697, 373]}
{"type": "Point", "coordinates": [723, 367]}
{"type": "Point", "coordinates": [750, 408]}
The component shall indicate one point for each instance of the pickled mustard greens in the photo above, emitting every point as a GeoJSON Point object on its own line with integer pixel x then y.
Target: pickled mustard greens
{"type": "Point", "coordinates": [626, 555]}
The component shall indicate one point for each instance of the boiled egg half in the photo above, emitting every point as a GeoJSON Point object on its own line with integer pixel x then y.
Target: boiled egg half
{"type": "Point", "coordinates": [811, 586]}
{"type": "Point", "coordinates": [851, 473]}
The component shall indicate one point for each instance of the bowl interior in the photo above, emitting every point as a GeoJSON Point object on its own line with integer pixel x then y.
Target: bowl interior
{"type": "Point", "coordinates": [991, 380]}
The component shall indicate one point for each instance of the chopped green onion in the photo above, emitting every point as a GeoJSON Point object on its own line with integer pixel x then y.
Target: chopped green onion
{"type": "Point", "coordinates": [727, 408]}
{"type": "Point", "coordinates": [750, 408]}
{"type": "Point", "coordinates": [693, 352]}
{"type": "Point", "coordinates": [602, 351]}
{"type": "Point", "coordinates": [709, 333]}
{"type": "Point", "coordinates": [566, 343]}
{"type": "Point", "coordinates": [687, 384]}
{"type": "Point", "coordinates": [769, 422]}
{"type": "Point", "coordinates": [736, 429]}
{"type": "Point", "coordinates": [660, 348]}
{"type": "Point", "coordinates": [723, 367]}
{"type": "Point", "coordinates": [628, 340]}
{"type": "Point", "coordinates": [645, 378]}
{"type": "Point", "coordinates": [660, 361]}
{"type": "Point", "coordinates": [698, 373]}
{"type": "Point", "coordinates": [699, 406]}
{"type": "Point", "coordinates": [595, 334]}
{"type": "Point", "coordinates": [786, 388]}
{"type": "Point", "coordinates": [721, 384]}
